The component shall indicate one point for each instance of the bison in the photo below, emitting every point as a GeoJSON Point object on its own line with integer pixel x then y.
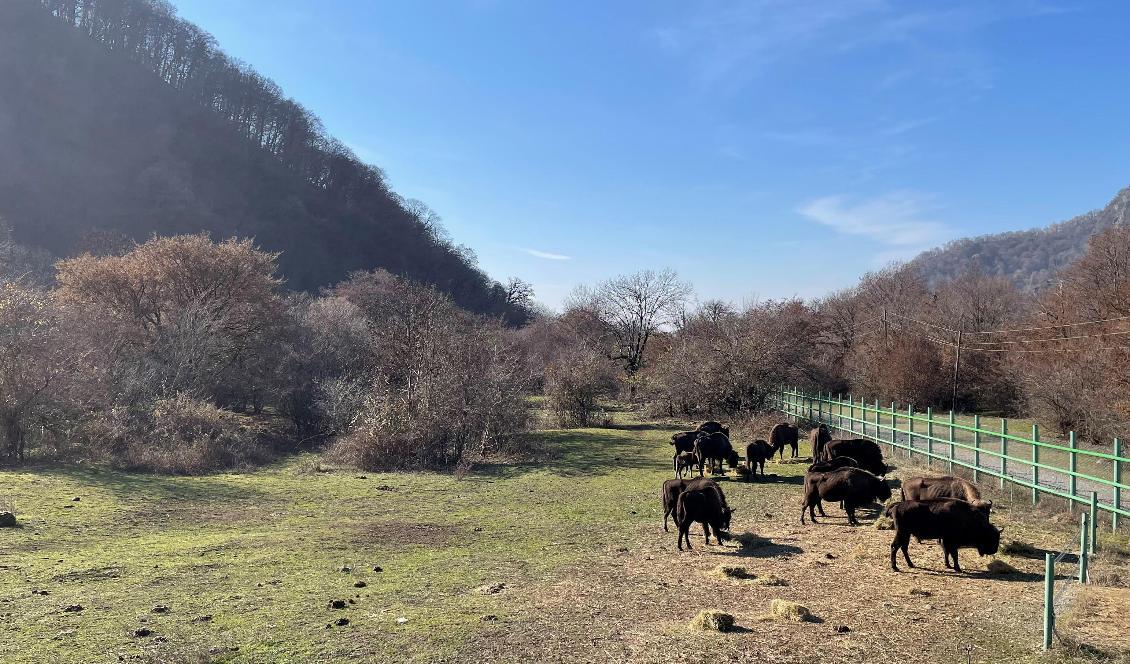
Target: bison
{"type": "Point", "coordinates": [714, 427]}
{"type": "Point", "coordinates": [818, 437]}
{"type": "Point", "coordinates": [706, 505]}
{"type": "Point", "coordinates": [684, 463]}
{"type": "Point", "coordinates": [865, 452]}
{"type": "Point", "coordinates": [957, 523]}
{"type": "Point", "coordinates": [851, 486]}
{"type": "Point", "coordinates": [784, 434]}
{"type": "Point", "coordinates": [756, 454]}
{"type": "Point", "coordinates": [684, 441]}
{"type": "Point", "coordinates": [673, 488]}
{"type": "Point", "coordinates": [715, 447]}
{"type": "Point", "coordinates": [930, 488]}
{"type": "Point", "coordinates": [834, 464]}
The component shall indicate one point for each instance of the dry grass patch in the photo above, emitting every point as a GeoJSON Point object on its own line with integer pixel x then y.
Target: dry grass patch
{"type": "Point", "coordinates": [711, 620]}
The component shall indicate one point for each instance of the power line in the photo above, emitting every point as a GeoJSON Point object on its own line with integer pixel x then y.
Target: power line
{"type": "Point", "coordinates": [1007, 331]}
{"type": "Point", "coordinates": [1037, 341]}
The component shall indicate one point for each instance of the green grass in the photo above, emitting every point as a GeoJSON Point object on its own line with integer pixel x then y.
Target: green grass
{"type": "Point", "coordinates": [262, 552]}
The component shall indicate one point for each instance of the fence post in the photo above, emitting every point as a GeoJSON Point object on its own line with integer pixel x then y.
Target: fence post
{"type": "Point", "coordinates": [976, 447]}
{"type": "Point", "coordinates": [1117, 480]}
{"type": "Point", "coordinates": [952, 449]}
{"type": "Point", "coordinates": [894, 427]}
{"type": "Point", "coordinates": [929, 435]}
{"type": "Point", "coordinates": [1084, 551]}
{"type": "Point", "coordinates": [910, 425]}
{"type": "Point", "coordinates": [878, 429]}
{"type": "Point", "coordinates": [1049, 599]}
{"type": "Point", "coordinates": [1004, 450]}
{"type": "Point", "coordinates": [1094, 521]}
{"type": "Point", "coordinates": [863, 417]}
{"type": "Point", "coordinates": [1072, 465]}
{"type": "Point", "coordinates": [1035, 461]}
{"type": "Point", "coordinates": [851, 413]}
{"type": "Point", "coordinates": [819, 408]}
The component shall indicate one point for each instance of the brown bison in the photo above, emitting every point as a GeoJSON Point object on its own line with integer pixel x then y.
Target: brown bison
{"type": "Point", "coordinates": [865, 452]}
{"type": "Point", "coordinates": [706, 505]}
{"type": "Point", "coordinates": [834, 464]}
{"type": "Point", "coordinates": [716, 448]}
{"type": "Point", "coordinates": [931, 488]}
{"type": "Point", "coordinates": [684, 463]}
{"type": "Point", "coordinates": [850, 486]}
{"type": "Point", "coordinates": [756, 454]}
{"type": "Point", "coordinates": [784, 434]}
{"type": "Point", "coordinates": [672, 489]}
{"type": "Point", "coordinates": [684, 441]}
{"type": "Point", "coordinates": [957, 523]}
{"type": "Point", "coordinates": [818, 437]}
{"type": "Point", "coordinates": [714, 427]}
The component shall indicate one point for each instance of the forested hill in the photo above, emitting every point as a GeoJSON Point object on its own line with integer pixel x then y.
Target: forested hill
{"type": "Point", "coordinates": [120, 119]}
{"type": "Point", "coordinates": [1031, 258]}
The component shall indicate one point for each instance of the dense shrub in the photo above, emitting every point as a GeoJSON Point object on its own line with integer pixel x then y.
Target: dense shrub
{"type": "Point", "coordinates": [574, 385]}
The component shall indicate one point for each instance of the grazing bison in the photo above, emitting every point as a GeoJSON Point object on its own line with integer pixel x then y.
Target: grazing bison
{"type": "Point", "coordinates": [834, 464]}
{"type": "Point", "coordinates": [865, 452]}
{"type": "Point", "coordinates": [706, 505]}
{"type": "Point", "coordinates": [715, 447]}
{"type": "Point", "coordinates": [958, 524]}
{"type": "Point", "coordinates": [784, 434]}
{"type": "Point", "coordinates": [684, 463]}
{"type": "Point", "coordinates": [756, 454]}
{"type": "Point", "coordinates": [851, 486]}
{"type": "Point", "coordinates": [684, 442]}
{"type": "Point", "coordinates": [819, 437]}
{"type": "Point", "coordinates": [714, 427]}
{"type": "Point", "coordinates": [931, 488]}
{"type": "Point", "coordinates": [672, 489]}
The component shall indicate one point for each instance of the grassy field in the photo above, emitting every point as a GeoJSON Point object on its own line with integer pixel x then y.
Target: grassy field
{"type": "Point", "coordinates": [557, 558]}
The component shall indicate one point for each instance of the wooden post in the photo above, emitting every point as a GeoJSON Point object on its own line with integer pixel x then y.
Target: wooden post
{"type": "Point", "coordinates": [1072, 465]}
{"type": "Point", "coordinates": [929, 436]}
{"type": "Point", "coordinates": [1117, 480]}
{"type": "Point", "coordinates": [976, 447]}
{"type": "Point", "coordinates": [1035, 460]}
{"type": "Point", "coordinates": [952, 448]}
{"type": "Point", "coordinates": [1004, 450]}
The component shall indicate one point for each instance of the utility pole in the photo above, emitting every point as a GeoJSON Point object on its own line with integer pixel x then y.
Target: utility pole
{"type": "Point", "coordinates": [957, 364]}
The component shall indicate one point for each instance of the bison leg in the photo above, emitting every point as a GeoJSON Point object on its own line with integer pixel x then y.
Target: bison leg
{"type": "Point", "coordinates": [684, 533]}
{"type": "Point", "coordinates": [850, 509]}
{"type": "Point", "coordinates": [820, 507]}
{"type": "Point", "coordinates": [901, 541]}
{"type": "Point", "coordinates": [706, 533]}
{"type": "Point", "coordinates": [795, 447]}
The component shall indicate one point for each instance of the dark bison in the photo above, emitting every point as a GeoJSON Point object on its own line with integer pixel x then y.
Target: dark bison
{"type": "Point", "coordinates": [684, 463]}
{"type": "Point", "coordinates": [819, 437]}
{"type": "Point", "coordinates": [958, 524]}
{"type": "Point", "coordinates": [865, 452]}
{"type": "Point", "coordinates": [834, 464]}
{"type": "Point", "coordinates": [706, 505]}
{"type": "Point", "coordinates": [716, 448]}
{"type": "Point", "coordinates": [674, 488]}
{"type": "Point", "coordinates": [684, 441]}
{"type": "Point", "coordinates": [714, 427]}
{"type": "Point", "coordinates": [851, 486]}
{"type": "Point", "coordinates": [756, 454]}
{"type": "Point", "coordinates": [931, 488]}
{"type": "Point", "coordinates": [784, 434]}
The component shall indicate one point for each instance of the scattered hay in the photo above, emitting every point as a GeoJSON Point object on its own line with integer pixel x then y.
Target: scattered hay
{"type": "Point", "coordinates": [771, 580]}
{"type": "Point", "coordinates": [997, 566]}
{"type": "Point", "coordinates": [733, 572]}
{"type": "Point", "coordinates": [1018, 548]}
{"type": "Point", "coordinates": [884, 523]}
{"type": "Point", "coordinates": [784, 610]}
{"type": "Point", "coordinates": [751, 541]}
{"type": "Point", "coordinates": [710, 620]}
{"type": "Point", "coordinates": [805, 460]}
{"type": "Point", "coordinates": [918, 592]}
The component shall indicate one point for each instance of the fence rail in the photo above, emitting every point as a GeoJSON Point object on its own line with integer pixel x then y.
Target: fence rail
{"type": "Point", "coordinates": [1082, 476]}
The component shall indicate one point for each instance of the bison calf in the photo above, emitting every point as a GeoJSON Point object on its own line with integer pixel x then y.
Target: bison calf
{"type": "Point", "coordinates": [756, 454]}
{"type": "Point", "coordinates": [785, 434]}
{"type": "Point", "coordinates": [685, 463]}
{"type": "Point", "coordinates": [958, 524]}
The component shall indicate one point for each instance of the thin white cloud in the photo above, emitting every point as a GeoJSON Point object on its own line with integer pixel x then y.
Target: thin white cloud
{"type": "Point", "coordinates": [546, 255]}
{"type": "Point", "coordinates": [900, 222]}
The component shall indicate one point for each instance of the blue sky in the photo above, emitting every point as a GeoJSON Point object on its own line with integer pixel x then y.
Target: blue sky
{"type": "Point", "coordinates": [761, 148]}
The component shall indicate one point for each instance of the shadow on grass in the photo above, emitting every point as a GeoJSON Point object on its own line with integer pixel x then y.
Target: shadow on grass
{"type": "Point", "coordinates": [1023, 577]}
{"type": "Point", "coordinates": [205, 488]}
{"type": "Point", "coordinates": [753, 546]}
{"type": "Point", "coordinates": [585, 453]}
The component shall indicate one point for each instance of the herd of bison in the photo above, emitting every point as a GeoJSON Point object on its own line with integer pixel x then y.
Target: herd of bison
{"type": "Point", "coordinates": [846, 471]}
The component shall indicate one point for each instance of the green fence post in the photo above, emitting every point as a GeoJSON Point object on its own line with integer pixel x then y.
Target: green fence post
{"type": "Point", "coordinates": [1117, 481]}
{"type": "Point", "coordinates": [1072, 465]}
{"type": "Point", "coordinates": [819, 408]}
{"type": "Point", "coordinates": [952, 448]}
{"type": "Point", "coordinates": [910, 426]}
{"type": "Point", "coordinates": [1094, 522]}
{"type": "Point", "coordinates": [1035, 460]}
{"type": "Point", "coordinates": [863, 417]}
{"type": "Point", "coordinates": [976, 447]}
{"type": "Point", "coordinates": [929, 436]}
{"type": "Point", "coordinates": [878, 429]}
{"type": "Point", "coordinates": [1004, 450]}
{"type": "Point", "coordinates": [851, 413]}
{"type": "Point", "coordinates": [1049, 597]}
{"type": "Point", "coordinates": [894, 427]}
{"type": "Point", "coordinates": [1084, 549]}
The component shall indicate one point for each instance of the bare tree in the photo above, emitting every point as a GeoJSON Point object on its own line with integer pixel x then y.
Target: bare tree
{"type": "Point", "coordinates": [631, 309]}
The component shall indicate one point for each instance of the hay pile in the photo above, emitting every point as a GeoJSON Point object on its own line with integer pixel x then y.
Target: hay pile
{"type": "Point", "coordinates": [997, 566]}
{"type": "Point", "coordinates": [1016, 547]}
{"type": "Point", "coordinates": [733, 572]}
{"type": "Point", "coordinates": [884, 523]}
{"type": "Point", "coordinates": [784, 610]}
{"type": "Point", "coordinates": [710, 620]}
{"type": "Point", "coordinates": [751, 541]}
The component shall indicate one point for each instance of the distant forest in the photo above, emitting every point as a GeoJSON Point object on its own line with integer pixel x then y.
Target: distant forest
{"type": "Point", "coordinates": [1030, 259]}
{"type": "Point", "coordinates": [120, 121]}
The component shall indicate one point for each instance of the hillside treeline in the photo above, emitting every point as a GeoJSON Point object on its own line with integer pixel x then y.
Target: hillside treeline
{"type": "Point", "coordinates": [1029, 259]}
{"type": "Point", "coordinates": [120, 121]}
{"type": "Point", "coordinates": [1060, 356]}
{"type": "Point", "coordinates": [186, 355]}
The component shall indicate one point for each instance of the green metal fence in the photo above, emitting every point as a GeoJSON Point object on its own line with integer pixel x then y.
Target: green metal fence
{"type": "Point", "coordinates": [1082, 476]}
